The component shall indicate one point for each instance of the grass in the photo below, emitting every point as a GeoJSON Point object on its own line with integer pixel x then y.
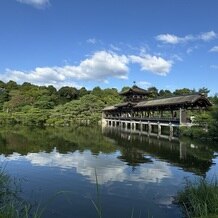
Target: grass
{"type": "Point", "coordinates": [11, 205]}
{"type": "Point", "coordinates": [97, 204]}
{"type": "Point", "coordinates": [200, 198]}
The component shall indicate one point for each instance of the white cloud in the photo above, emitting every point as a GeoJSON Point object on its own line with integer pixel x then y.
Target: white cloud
{"type": "Point", "coordinates": [215, 67]}
{"type": "Point", "coordinates": [36, 3]}
{"type": "Point", "coordinates": [177, 57]}
{"type": "Point", "coordinates": [154, 64]}
{"type": "Point", "coordinates": [173, 39]}
{"type": "Point", "coordinates": [168, 38]}
{"type": "Point", "coordinates": [91, 41]}
{"type": "Point", "coordinates": [208, 36]}
{"type": "Point", "coordinates": [144, 84]}
{"type": "Point", "coordinates": [100, 66]}
{"type": "Point", "coordinates": [214, 49]}
{"type": "Point", "coordinates": [191, 49]}
{"type": "Point", "coordinates": [115, 48]}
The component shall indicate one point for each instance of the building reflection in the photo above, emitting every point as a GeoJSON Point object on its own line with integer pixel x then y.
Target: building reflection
{"type": "Point", "coordinates": [188, 156]}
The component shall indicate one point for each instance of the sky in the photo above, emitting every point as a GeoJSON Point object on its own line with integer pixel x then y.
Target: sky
{"type": "Point", "coordinates": [169, 44]}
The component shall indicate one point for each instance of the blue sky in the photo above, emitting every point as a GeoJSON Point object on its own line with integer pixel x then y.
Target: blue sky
{"type": "Point", "coordinates": [110, 43]}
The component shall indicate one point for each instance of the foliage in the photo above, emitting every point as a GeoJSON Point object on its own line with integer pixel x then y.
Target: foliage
{"type": "Point", "coordinates": [183, 91]}
{"type": "Point", "coordinates": [206, 123]}
{"type": "Point", "coordinates": [200, 198]}
{"type": "Point", "coordinates": [86, 108]}
{"type": "Point", "coordinates": [29, 104]}
{"type": "Point", "coordinates": [165, 93]}
{"type": "Point", "coordinates": [153, 92]}
{"type": "Point", "coordinates": [4, 97]}
{"type": "Point", "coordinates": [67, 94]}
{"type": "Point", "coordinates": [193, 132]}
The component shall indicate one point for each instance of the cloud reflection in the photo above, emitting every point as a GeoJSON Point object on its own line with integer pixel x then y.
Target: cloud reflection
{"type": "Point", "coordinates": [108, 167]}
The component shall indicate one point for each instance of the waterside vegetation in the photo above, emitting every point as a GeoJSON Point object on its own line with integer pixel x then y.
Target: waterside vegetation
{"type": "Point", "coordinates": [11, 205]}
{"type": "Point", "coordinates": [200, 198]}
{"type": "Point", "coordinates": [206, 123]}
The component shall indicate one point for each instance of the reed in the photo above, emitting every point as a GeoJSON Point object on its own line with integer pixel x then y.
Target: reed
{"type": "Point", "coordinates": [11, 205]}
{"type": "Point", "coordinates": [199, 198]}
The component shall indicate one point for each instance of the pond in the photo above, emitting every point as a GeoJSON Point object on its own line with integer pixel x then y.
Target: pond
{"type": "Point", "coordinates": [69, 171]}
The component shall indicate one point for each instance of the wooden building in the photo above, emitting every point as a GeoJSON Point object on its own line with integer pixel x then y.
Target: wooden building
{"type": "Point", "coordinates": [139, 109]}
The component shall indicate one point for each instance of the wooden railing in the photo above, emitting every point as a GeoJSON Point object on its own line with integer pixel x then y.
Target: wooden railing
{"type": "Point", "coordinates": [145, 119]}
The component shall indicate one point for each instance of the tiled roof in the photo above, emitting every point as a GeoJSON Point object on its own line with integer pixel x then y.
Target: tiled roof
{"type": "Point", "coordinates": [176, 100]}
{"type": "Point", "coordinates": [135, 89]}
{"type": "Point", "coordinates": [186, 99]}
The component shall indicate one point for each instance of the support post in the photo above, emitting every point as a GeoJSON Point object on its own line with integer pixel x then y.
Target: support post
{"type": "Point", "coordinates": [149, 128]}
{"type": "Point", "coordinates": [171, 130]}
{"type": "Point", "coordinates": [159, 128]}
{"type": "Point", "coordinates": [126, 125]}
{"type": "Point", "coordinates": [183, 116]}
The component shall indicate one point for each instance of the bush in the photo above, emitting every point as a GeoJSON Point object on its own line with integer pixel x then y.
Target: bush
{"type": "Point", "coordinates": [193, 132]}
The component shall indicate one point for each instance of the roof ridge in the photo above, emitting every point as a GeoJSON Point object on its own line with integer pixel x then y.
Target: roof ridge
{"type": "Point", "coordinates": [162, 97]}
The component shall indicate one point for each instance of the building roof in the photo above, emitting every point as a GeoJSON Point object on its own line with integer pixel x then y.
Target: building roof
{"type": "Point", "coordinates": [177, 100]}
{"type": "Point", "coordinates": [120, 105]}
{"type": "Point", "coordinates": [135, 89]}
{"type": "Point", "coordinates": [188, 100]}
{"type": "Point", "coordinates": [109, 108]}
{"type": "Point", "coordinates": [197, 99]}
{"type": "Point", "coordinates": [124, 104]}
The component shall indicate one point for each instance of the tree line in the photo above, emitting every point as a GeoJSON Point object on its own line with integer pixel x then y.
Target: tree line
{"type": "Point", "coordinates": [29, 104]}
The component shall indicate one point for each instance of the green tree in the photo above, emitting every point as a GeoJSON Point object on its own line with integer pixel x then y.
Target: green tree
{"type": "Point", "coordinates": [4, 97]}
{"type": "Point", "coordinates": [2, 84]}
{"type": "Point", "coordinates": [67, 93]}
{"type": "Point", "coordinates": [204, 90]}
{"type": "Point", "coordinates": [52, 90]}
{"type": "Point", "coordinates": [97, 91]}
{"type": "Point", "coordinates": [184, 91]}
{"type": "Point", "coordinates": [11, 85]}
{"type": "Point", "coordinates": [125, 88]}
{"type": "Point", "coordinates": [165, 93]}
{"type": "Point", "coordinates": [83, 91]}
{"type": "Point", "coordinates": [153, 92]}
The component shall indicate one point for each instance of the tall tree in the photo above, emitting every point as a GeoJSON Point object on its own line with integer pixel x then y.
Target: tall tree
{"type": "Point", "coordinates": [153, 92]}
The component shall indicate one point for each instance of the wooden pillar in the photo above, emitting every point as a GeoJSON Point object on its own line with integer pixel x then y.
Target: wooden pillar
{"type": "Point", "coordinates": [182, 150]}
{"type": "Point", "coordinates": [133, 126]}
{"type": "Point", "coordinates": [171, 113]}
{"type": "Point", "coordinates": [126, 126]}
{"type": "Point", "coordinates": [171, 130]}
{"type": "Point", "coordinates": [161, 114]}
{"type": "Point", "coordinates": [149, 127]}
{"type": "Point", "coordinates": [183, 116]}
{"type": "Point", "coordinates": [159, 128]}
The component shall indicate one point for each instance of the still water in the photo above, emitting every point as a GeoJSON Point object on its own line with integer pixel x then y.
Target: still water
{"type": "Point", "coordinates": [60, 169]}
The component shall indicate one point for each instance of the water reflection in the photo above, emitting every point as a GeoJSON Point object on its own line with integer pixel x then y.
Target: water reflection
{"type": "Point", "coordinates": [185, 154]}
{"type": "Point", "coordinates": [63, 147]}
{"type": "Point", "coordinates": [109, 169]}
{"type": "Point", "coordinates": [143, 172]}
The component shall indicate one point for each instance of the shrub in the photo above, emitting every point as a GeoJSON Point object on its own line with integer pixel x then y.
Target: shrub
{"type": "Point", "coordinates": [193, 132]}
